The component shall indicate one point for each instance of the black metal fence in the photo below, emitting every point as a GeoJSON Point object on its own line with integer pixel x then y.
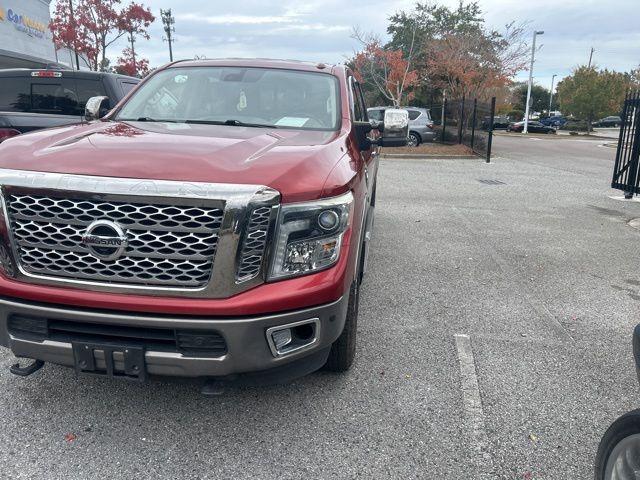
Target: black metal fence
{"type": "Point", "coordinates": [468, 122]}
{"type": "Point", "coordinates": [626, 173]}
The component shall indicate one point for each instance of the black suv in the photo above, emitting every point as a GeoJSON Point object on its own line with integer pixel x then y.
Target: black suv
{"type": "Point", "coordinates": [35, 99]}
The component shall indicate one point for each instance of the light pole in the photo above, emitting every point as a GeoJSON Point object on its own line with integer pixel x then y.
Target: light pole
{"type": "Point", "coordinates": [533, 54]}
{"type": "Point", "coordinates": [551, 96]}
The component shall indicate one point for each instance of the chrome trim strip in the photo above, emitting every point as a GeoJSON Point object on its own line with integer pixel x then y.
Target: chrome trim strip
{"type": "Point", "coordinates": [235, 200]}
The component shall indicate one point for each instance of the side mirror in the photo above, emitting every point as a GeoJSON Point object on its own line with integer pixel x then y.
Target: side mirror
{"type": "Point", "coordinates": [96, 108]}
{"type": "Point", "coordinates": [395, 129]}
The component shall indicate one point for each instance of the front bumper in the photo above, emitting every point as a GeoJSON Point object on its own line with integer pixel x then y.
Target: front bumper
{"type": "Point", "coordinates": [247, 347]}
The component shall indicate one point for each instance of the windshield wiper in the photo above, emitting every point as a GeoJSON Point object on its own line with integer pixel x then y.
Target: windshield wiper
{"type": "Point", "coordinates": [231, 122]}
{"type": "Point", "coordinates": [146, 119]}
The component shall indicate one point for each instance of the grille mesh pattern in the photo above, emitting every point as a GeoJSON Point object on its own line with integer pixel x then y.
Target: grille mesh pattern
{"type": "Point", "coordinates": [172, 246]}
{"type": "Point", "coordinates": [253, 245]}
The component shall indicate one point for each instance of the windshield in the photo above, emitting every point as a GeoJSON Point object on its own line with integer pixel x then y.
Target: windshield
{"type": "Point", "coordinates": [254, 97]}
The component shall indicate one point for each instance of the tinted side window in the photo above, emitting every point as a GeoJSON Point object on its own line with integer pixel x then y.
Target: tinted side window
{"type": "Point", "coordinates": [127, 86]}
{"type": "Point", "coordinates": [413, 114]}
{"type": "Point", "coordinates": [57, 98]}
{"type": "Point", "coordinates": [87, 89]}
{"type": "Point", "coordinates": [14, 94]}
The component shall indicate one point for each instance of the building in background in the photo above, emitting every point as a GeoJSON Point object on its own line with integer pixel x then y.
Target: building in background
{"type": "Point", "coordinates": [25, 38]}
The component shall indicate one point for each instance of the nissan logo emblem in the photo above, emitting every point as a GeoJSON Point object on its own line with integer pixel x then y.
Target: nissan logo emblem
{"type": "Point", "coordinates": [105, 240]}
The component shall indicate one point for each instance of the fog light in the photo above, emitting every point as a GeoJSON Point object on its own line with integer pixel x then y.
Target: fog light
{"type": "Point", "coordinates": [281, 338]}
{"type": "Point", "coordinates": [328, 220]}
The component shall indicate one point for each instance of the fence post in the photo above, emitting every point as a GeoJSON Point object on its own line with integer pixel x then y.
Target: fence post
{"type": "Point", "coordinates": [473, 122]}
{"type": "Point", "coordinates": [460, 120]}
{"type": "Point", "coordinates": [490, 140]}
{"type": "Point", "coordinates": [444, 118]}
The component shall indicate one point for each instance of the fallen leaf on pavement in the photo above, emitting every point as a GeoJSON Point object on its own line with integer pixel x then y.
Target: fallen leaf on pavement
{"type": "Point", "coordinates": [70, 437]}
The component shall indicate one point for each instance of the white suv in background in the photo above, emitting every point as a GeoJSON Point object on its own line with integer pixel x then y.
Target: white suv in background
{"type": "Point", "coordinates": [420, 123]}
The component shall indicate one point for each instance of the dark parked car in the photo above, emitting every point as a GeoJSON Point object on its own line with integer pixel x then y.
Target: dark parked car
{"type": "Point", "coordinates": [499, 122]}
{"type": "Point", "coordinates": [555, 121]}
{"type": "Point", "coordinates": [533, 127]}
{"type": "Point", "coordinates": [611, 121]}
{"type": "Point", "coordinates": [36, 99]}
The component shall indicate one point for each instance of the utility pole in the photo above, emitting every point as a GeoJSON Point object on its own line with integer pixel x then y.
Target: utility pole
{"type": "Point", "coordinates": [73, 26]}
{"type": "Point", "coordinates": [168, 22]}
{"type": "Point", "coordinates": [533, 54]}
{"type": "Point", "coordinates": [551, 96]}
{"type": "Point", "coordinates": [591, 56]}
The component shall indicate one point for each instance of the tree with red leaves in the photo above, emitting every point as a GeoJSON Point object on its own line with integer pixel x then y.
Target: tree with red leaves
{"type": "Point", "coordinates": [135, 20]}
{"type": "Point", "coordinates": [389, 70]}
{"type": "Point", "coordinates": [474, 62]}
{"type": "Point", "coordinates": [96, 25]}
{"type": "Point", "coordinates": [128, 65]}
{"type": "Point", "coordinates": [69, 33]}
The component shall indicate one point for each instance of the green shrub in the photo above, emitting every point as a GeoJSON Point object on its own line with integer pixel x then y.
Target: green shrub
{"type": "Point", "coordinates": [515, 115]}
{"type": "Point", "coordinates": [575, 126]}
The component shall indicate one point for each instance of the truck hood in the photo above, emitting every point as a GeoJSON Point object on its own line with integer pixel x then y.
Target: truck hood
{"type": "Point", "coordinates": [294, 162]}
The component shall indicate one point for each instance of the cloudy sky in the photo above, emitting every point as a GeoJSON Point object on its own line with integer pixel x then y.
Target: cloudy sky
{"type": "Point", "coordinates": [319, 30]}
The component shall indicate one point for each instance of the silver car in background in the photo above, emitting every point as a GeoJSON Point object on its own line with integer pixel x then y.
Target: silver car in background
{"type": "Point", "coordinates": [420, 123]}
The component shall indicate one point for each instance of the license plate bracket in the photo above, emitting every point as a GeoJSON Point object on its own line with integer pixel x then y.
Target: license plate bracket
{"type": "Point", "coordinates": [86, 358]}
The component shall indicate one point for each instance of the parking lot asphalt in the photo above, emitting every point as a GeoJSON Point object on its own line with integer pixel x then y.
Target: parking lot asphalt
{"type": "Point", "coordinates": [494, 342]}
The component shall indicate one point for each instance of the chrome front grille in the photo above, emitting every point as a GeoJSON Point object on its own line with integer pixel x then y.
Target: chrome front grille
{"type": "Point", "coordinates": [168, 245]}
{"type": "Point", "coordinates": [254, 244]}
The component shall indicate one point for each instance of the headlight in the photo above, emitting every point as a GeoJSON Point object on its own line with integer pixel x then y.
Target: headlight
{"type": "Point", "coordinates": [309, 236]}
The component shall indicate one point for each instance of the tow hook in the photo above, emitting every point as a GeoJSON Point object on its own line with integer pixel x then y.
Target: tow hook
{"type": "Point", "coordinates": [16, 369]}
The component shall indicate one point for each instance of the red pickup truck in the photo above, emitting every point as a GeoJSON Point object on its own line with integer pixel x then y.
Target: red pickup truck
{"type": "Point", "coordinates": [214, 224]}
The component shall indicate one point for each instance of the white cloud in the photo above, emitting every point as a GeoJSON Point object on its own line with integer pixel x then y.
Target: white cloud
{"type": "Point", "coordinates": [237, 19]}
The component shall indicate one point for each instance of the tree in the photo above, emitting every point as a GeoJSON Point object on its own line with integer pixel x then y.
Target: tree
{"type": "Point", "coordinates": [388, 70]}
{"type": "Point", "coordinates": [475, 62]}
{"type": "Point", "coordinates": [68, 32]}
{"type": "Point", "coordinates": [634, 78]}
{"type": "Point", "coordinates": [96, 25]}
{"type": "Point", "coordinates": [453, 49]}
{"type": "Point", "coordinates": [135, 20]}
{"type": "Point", "coordinates": [102, 20]}
{"type": "Point", "coordinates": [539, 97]}
{"type": "Point", "coordinates": [589, 93]}
{"type": "Point", "coordinates": [128, 65]}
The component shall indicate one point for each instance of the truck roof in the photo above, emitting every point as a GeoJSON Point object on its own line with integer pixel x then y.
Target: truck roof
{"type": "Point", "coordinates": [256, 62]}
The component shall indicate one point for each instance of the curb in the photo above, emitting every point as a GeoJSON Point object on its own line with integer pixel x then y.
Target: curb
{"type": "Point", "coordinates": [426, 156]}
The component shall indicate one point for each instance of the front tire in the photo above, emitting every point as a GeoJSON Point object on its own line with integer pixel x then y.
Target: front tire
{"type": "Point", "coordinates": [619, 449]}
{"type": "Point", "coordinates": [343, 350]}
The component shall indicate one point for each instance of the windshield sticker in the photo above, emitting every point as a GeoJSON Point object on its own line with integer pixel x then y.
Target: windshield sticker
{"type": "Point", "coordinates": [292, 122]}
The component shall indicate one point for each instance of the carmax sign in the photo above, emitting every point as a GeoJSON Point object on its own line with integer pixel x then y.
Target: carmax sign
{"type": "Point", "coordinates": [25, 24]}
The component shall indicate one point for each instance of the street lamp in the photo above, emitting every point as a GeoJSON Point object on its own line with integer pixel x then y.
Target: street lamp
{"type": "Point", "coordinates": [551, 96]}
{"type": "Point", "coordinates": [533, 54]}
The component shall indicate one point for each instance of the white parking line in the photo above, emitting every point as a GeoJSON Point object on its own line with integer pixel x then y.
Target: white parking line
{"type": "Point", "coordinates": [472, 404]}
